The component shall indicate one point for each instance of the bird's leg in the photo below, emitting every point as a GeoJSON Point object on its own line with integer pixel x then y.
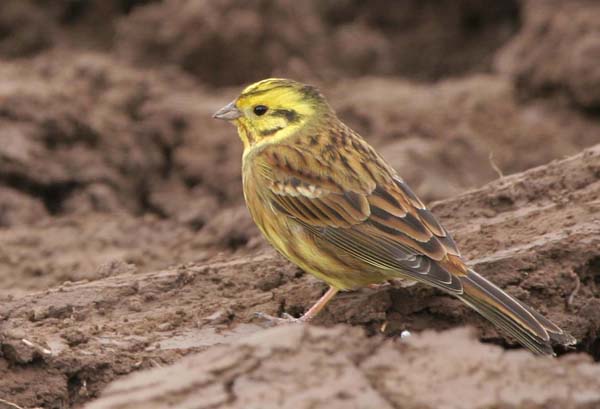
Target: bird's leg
{"type": "Point", "coordinates": [308, 315]}
{"type": "Point", "coordinates": [319, 305]}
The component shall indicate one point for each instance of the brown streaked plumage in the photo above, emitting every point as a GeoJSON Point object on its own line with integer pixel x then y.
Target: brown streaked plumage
{"type": "Point", "coordinates": [326, 200]}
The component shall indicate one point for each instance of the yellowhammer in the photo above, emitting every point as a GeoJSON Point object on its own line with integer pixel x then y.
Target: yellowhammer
{"type": "Point", "coordinates": [329, 203]}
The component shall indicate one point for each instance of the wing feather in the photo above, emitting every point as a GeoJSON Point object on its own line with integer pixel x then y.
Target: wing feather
{"type": "Point", "coordinates": [377, 219]}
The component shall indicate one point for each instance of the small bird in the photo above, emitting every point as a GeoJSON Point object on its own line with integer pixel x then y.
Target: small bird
{"type": "Point", "coordinates": [329, 203]}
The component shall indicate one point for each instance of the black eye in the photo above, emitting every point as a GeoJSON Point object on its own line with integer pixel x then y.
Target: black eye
{"type": "Point", "coordinates": [260, 110]}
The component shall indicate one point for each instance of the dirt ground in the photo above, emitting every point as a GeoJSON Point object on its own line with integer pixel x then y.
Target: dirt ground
{"type": "Point", "coordinates": [126, 248]}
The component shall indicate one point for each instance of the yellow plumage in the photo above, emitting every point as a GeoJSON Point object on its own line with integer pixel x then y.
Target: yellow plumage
{"type": "Point", "coordinates": [326, 200]}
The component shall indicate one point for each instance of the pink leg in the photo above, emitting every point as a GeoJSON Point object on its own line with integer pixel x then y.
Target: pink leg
{"type": "Point", "coordinates": [308, 315]}
{"type": "Point", "coordinates": [319, 305]}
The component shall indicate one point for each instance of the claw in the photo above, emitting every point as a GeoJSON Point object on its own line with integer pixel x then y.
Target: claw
{"type": "Point", "coordinates": [272, 321]}
{"type": "Point", "coordinates": [308, 315]}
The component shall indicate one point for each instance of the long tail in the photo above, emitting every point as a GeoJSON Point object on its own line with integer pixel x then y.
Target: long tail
{"type": "Point", "coordinates": [518, 320]}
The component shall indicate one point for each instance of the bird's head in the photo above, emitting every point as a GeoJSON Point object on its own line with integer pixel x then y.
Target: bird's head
{"type": "Point", "coordinates": [273, 109]}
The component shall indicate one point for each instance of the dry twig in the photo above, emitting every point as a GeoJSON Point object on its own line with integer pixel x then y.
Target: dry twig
{"type": "Point", "coordinates": [495, 166]}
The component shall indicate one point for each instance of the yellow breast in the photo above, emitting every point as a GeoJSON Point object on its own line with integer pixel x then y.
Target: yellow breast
{"type": "Point", "coordinates": [298, 245]}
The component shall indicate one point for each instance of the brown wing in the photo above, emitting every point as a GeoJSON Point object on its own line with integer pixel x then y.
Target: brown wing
{"type": "Point", "coordinates": [353, 200]}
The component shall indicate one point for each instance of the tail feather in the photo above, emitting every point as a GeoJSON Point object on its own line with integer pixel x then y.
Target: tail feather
{"type": "Point", "coordinates": [517, 319]}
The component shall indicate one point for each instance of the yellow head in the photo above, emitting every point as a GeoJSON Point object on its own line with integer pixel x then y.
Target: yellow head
{"type": "Point", "coordinates": [273, 109]}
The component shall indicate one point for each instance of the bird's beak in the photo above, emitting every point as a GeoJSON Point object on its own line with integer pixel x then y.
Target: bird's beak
{"type": "Point", "coordinates": [228, 113]}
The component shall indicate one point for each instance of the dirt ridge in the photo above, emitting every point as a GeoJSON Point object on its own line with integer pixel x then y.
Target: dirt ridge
{"type": "Point", "coordinates": [79, 336]}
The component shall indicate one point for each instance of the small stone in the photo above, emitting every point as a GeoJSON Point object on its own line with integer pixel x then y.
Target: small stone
{"type": "Point", "coordinates": [74, 337]}
{"type": "Point", "coordinates": [135, 306]}
{"type": "Point", "coordinates": [38, 314]}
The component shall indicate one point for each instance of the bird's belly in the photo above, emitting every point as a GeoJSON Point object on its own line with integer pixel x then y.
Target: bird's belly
{"type": "Point", "coordinates": [298, 245]}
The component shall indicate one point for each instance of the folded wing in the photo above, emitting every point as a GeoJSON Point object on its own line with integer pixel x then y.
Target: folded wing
{"type": "Point", "coordinates": [358, 205]}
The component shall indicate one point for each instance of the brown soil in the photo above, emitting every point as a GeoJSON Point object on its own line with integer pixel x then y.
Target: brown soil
{"type": "Point", "coordinates": [125, 243]}
{"type": "Point", "coordinates": [535, 233]}
{"type": "Point", "coordinates": [317, 39]}
{"type": "Point", "coordinates": [338, 367]}
{"type": "Point", "coordinates": [557, 52]}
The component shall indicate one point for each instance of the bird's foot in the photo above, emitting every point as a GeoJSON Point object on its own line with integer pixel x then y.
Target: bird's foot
{"type": "Point", "coordinates": [285, 318]}
{"type": "Point", "coordinates": [308, 315]}
{"type": "Point", "coordinates": [379, 286]}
